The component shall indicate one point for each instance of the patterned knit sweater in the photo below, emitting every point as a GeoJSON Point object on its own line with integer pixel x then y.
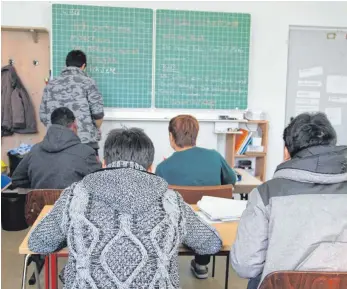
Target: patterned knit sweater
{"type": "Point", "coordinates": [123, 229]}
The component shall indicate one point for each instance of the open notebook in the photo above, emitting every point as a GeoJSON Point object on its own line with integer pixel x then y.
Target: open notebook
{"type": "Point", "coordinates": [221, 209]}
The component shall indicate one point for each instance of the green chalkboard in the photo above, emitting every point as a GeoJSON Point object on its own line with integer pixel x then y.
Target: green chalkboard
{"type": "Point", "coordinates": [202, 59]}
{"type": "Point", "coordinates": [118, 43]}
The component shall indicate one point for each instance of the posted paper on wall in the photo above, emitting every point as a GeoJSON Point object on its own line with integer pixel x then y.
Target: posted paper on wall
{"type": "Point", "coordinates": [338, 99]}
{"type": "Point", "coordinates": [309, 83]}
{"type": "Point", "coordinates": [308, 94]}
{"type": "Point", "coordinates": [337, 84]}
{"type": "Point", "coordinates": [334, 114]}
{"type": "Point", "coordinates": [309, 72]}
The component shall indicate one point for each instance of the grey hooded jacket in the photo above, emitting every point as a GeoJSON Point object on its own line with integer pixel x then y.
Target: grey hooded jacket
{"type": "Point", "coordinates": [56, 162]}
{"type": "Point", "coordinates": [123, 229]}
{"type": "Point", "coordinates": [297, 220]}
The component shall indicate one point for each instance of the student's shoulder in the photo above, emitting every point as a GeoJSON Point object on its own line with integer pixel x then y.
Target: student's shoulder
{"type": "Point", "coordinates": [164, 164]}
{"type": "Point", "coordinates": [210, 152]}
{"type": "Point", "coordinates": [87, 80]}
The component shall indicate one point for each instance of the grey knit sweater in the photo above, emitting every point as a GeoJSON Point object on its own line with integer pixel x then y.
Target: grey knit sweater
{"type": "Point", "coordinates": [123, 229]}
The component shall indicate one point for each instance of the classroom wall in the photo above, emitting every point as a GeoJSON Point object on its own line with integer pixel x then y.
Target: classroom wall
{"type": "Point", "coordinates": [21, 48]}
{"type": "Point", "coordinates": [268, 60]}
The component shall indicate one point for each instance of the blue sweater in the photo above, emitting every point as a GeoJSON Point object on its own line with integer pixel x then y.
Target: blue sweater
{"type": "Point", "coordinates": [196, 167]}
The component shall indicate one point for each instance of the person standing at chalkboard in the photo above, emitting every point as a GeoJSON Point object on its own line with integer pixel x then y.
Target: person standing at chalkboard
{"type": "Point", "coordinates": [75, 90]}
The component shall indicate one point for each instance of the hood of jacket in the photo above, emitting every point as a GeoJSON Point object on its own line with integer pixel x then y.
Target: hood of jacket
{"type": "Point", "coordinates": [59, 138]}
{"type": "Point", "coordinates": [10, 73]}
{"type": "Point", "coordinates": [125, 186]}
{"type": "Point", "coordinates": [73, 70]}
{"type": "Point", "coordinates": [318, 164]}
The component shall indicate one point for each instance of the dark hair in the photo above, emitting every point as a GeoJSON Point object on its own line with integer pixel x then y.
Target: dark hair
{"type": "Point", "coordinates": [129, 145]}
{"type": "Point", "coordinates": [184, 130]}
{"type": "Point", "coordinates": [62, 116]}
{"type": "Point", "coordinates": [307, 130]}
{"type": "Point", "coordinates": [76, 58]}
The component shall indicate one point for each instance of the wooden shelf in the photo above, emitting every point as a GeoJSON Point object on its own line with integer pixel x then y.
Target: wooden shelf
{"type": "Point", "coordinates": [257, 121]}
{"type": "Point", "coordinates": [260, 162]}
{"type": "Point", "coordinates": [251, 155]}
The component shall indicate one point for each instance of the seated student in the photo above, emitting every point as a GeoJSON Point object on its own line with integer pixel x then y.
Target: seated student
{"type": "Point", "coordinates": [59, 160]}
{"type": "Point", "coordinates": [193, 166]}
{"type": "Point", "coordinates": [297, 220]}
{"type": "Point", "coordinates": [122, 224]}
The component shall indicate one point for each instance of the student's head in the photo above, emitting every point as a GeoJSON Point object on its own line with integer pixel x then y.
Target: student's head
{"type": "Point", "coordinates": [183, 131]}
{"type": "Point", "coordinates": [64, 117]}
{"type": "Point", "coordinates": [129, 145]}
{"type": "Point", "coordinates": [76, 58]}
{"type": "Point", "coordinates": [307, 130]}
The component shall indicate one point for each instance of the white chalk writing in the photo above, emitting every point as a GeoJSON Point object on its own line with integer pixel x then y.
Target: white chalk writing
{"type": "Point", "coordinates": [103, 60]}
{"type": "Point", "coordinates": [82, 26]}
{"type": "Point", "coordinates": [197, 48]}
{"type": "Point", "coordinates": [84, 38]}
{"type": "Point", "coordinates": [169, 68]}
{"type": "Point", "coordinates": [185, 22]}
{"type": "Point", "coordinates": [71, 12]}
{"type": "Point", "coordinates": [110, 50]}
{"type": "Point", "coordinates": [198, 38]}
{"type": "Point", "coordinates": [102, 70]}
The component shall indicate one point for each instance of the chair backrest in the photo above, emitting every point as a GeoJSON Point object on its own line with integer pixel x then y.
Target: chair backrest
{"type": "Point", "coordinates": [36, 200]}
{"type": "Point", "coordinates": [305, 280]}
{"type": "Point", "coordinates": [192, 195]}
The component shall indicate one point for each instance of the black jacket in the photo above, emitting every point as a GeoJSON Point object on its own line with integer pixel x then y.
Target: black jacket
{"type": "Point", "coordinates": [56, 162]}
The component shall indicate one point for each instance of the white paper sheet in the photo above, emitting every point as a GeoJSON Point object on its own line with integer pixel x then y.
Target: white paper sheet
{"type": "Point", "coordinates": [220, 208]}
{"type": "Point", "coordinates": [308, 94]}
{"type": "Point", "coordinates": [309, 83]}
{"type": "Point", "coordinates": [334, 114]}
{"type": "Point", "coordinates": [338, 99]}
{"type": "Point", "coordinates": [307, 101]}
{"type": "Point", "coordinates": [337, 84]}
{"type": "Point", "coordinates": [309, 72]}
{"type": "Point", "coordinates": [202, 216]}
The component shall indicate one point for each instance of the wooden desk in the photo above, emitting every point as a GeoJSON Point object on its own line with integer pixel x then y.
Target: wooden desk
{"type": "Point", "coordinates": [227, 232]}
{"type": "Point", "coordinates": [247, 183]}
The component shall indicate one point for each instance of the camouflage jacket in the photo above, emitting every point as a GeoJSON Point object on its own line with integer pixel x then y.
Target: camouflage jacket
{"type": "Point", "coordinates": [75, 90]}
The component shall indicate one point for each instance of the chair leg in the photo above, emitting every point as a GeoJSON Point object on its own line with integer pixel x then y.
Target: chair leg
{"type": "Point", "coordinates": [47, 272]}
{"type": "Point", "coordinates": [213, 265]}
{"type": "Point", "coordinates": [25, 268]}
{"type": "Point", "coordinates": [53, 268]}
{"type": "Point", "coordinates": [227, 271]}
{"type": "Point", "coordinates": [39, 263]}
{"type": "Point", "coordinates": [37, 276]}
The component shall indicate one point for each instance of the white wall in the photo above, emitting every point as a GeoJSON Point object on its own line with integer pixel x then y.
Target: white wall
{"type": "Point", "coordinates": [268, 62]}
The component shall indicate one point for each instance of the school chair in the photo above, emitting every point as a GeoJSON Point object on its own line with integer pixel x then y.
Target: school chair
{"type": "Point", "coordinates": [191, 195]}
{"type": "Point", "coordinates": [305, 280]}
{"type": "Point", "coordinates": [35, 201]}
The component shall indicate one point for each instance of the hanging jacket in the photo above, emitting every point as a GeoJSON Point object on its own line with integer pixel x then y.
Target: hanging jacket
{"type": "Point", "coordinates": [17, 111]}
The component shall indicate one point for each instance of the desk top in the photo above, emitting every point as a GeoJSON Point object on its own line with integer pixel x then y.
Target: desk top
{"type": "Point", "coordinates": [247, 183]}
{"type": "Point", "coordinates": [227, 232]}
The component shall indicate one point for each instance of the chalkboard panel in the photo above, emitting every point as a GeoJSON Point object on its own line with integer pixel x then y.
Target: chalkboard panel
{"type": "Point", "coordinates": [118, 43]}
{"type": "Point", "coordinates": [201, 59]}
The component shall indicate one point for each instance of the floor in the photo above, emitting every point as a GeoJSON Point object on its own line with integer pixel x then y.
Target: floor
{"type": "Point", "coordinates": [12, 266]}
